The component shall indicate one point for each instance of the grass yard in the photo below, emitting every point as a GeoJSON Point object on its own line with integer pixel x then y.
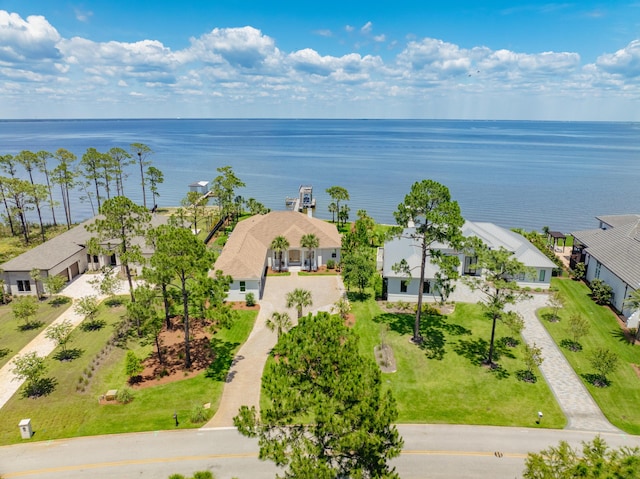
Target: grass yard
{"type": "Point", "coordinates": [443, 381]}
{"type": "Point", "coordinates": [13, 339]}
{"type": "Point", "coordinates": [71, 411]}
{"type": "Point", "coordinates": [619, 402]}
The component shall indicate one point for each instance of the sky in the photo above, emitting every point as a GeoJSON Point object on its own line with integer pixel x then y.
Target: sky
{"type": "Point", "coordinates": [451, 59]}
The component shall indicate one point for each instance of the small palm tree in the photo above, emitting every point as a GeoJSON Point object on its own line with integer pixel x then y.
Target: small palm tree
{"type": "Point", "coordinates": [309, 241]}
{"type": "Point", "coordinates": [299, 298]}
{"type": "Point", "coordinates": [281, 322]}
{"type": "Point", "coordinates": [342, 307]}
{"type": "Point", "coordinates": [279, 244]}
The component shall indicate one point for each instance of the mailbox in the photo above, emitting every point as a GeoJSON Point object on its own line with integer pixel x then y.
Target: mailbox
{"type": "Point", "coordinates": [25, 429]}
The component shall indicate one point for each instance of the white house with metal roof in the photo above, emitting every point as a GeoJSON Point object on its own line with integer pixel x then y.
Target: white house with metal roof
{"type": "Point", "coordinates": [247, 254]}
{"type": "Point", "coordinates": [612, 253]}
{"type": "Point", "coordinates": [398, 286]}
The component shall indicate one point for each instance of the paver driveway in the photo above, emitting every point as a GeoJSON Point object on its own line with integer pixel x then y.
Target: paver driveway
{"type": "Point", "coordinates": [243, 381]}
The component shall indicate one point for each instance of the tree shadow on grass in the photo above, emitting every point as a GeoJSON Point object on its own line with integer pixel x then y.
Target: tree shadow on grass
{"type": "Point", "coordinates": [624, 336]}
{"type": "Point", "coordinates": [68, 355]}
{"type": "Point", "coordinates": [218, 370]}
{"type": "Point", "coordinates": [550, 317]}
{"type": "Point", "coordinates": [114, 302]}
{"type": "Point", "coordinates": [30, 325]}
{"type": "Point", "coordinates": [434, 329]}
{"type": "Point", "coordinates": [40, 387]}
{"type": "Point", "coordinates": [4, 352]}
{"type": "Point", "coordinates": [598, 380]}
{"type": "Point", "coordinates": [357, 296]}
{"type": "Point", "coordinates": [477, 351]}
{"type": "Point", "coordinates": [59, 301]}
{"type": "Point", "coordinates": [93, 325]}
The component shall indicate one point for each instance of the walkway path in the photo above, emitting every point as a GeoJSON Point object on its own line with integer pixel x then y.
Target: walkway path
{"type": "Point", "coordinates": [78, 288]}
{"type": "Point", "coordinates": [575, 401]}
{"type": "Point", "coordinates": [245, 375]}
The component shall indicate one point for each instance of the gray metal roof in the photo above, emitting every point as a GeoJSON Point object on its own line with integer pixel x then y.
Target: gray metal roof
{"type": "Point", "coordinates": [617, 248]}
{"type": "Point", "coordinates": [492, 235]}
{"type": "Point", "coordinates": [618, 220]}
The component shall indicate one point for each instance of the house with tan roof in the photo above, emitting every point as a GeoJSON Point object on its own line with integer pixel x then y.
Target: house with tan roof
{"type": "Point", "coordinates": [612, 253]}
{"type": "Point", "coordinates": [247, 254]}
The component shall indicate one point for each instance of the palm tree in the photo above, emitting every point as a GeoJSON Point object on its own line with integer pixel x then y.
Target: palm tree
{"type": "Point", "coordinates": [280, 322]}
{"type": "Point", "coordinates": [299, 298]}
{"type": "Point", "coordinates": [633, 301]}
{"type": "Point", "coordinates": [279, 244]}
{"type": "Point", "coordinates": [309, 241]}
{"type": "Point", "coordinates": [342, 307]}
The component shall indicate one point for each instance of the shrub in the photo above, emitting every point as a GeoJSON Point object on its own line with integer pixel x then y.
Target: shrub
{"type": "Point", "coordinates": [124, 395]}
{"type": "Point", "coordinates": [198, 414]}
{"type": "Point", "coordinates": [250, 298]}
{"type": "Point", "coordinates": [579, 272]}
{"type": "Point", "coordinates": [331, 264]}
{"type": "Point", "coordinates": [600, 291]}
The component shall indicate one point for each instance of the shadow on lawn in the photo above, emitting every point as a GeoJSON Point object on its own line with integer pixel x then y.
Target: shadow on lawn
{"type": "Point", "coordinates": [434, 329]}
{"type": "Point", "coordinates": [218, 370]}
{"type": "Point", "coordinates": [477, 351]}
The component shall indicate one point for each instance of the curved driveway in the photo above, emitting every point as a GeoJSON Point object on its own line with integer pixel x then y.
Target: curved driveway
{"type": "Point", "coordinates": [245, 375]}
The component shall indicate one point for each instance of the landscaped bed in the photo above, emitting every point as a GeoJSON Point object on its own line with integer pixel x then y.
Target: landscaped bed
{"type": "Point", "coordinates": [619, 401]}
{"type": "Point", "coordinates": [75, 407]}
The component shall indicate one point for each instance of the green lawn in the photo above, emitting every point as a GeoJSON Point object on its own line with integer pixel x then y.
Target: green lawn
{"type": "Point", "coordinates": [444, 382]}
{"type": "Point", "coordinates": [13, 339]}
{"type": "Point", "coordinates": [71, 411]}
{"type": "Point", "coordinates": [620, 400]}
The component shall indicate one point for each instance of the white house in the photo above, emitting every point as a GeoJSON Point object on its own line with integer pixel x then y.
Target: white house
{"type": "Point", "coordinates": [65, 255]}
{"type": "Point", "coordinates": [612, 253]}
{"type": "Point", "coordinates": [248, 254]}
{"type": "Point", "coordinates": [397, 286]}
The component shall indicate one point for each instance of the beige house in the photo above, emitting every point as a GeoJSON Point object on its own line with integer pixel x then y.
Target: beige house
{"type": "Point", "coordinates": [247, 254]}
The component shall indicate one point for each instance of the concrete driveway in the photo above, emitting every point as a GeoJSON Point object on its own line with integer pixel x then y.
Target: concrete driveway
{"type": "Point", "coordinates": [245, 375]}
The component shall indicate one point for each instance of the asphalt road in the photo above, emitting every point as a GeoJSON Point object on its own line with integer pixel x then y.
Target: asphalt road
{"type": "Point", "coordinates": [430, 451]}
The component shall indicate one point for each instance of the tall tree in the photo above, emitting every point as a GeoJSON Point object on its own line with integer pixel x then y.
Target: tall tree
{"type": "Point", "coordinates": [181, 255]}
{"type": "Point", "coordinates": [311, 242]}
{"type": "Point", "coordinates": [279, 244]}
{"type": "Point", "coordinates": [497, 284]}
{"type": "Point", "coordinates": [358, 266]}
{"type": "Point", "coordinates": [65, 175]}
{"type": "Point", "coordinates": [195, 203]}
{"type": "Point", "coordinates": [337, 194]}
{"type": "Point", "coordinates": [339, 420]}
{"type": "Point", "coordinates": [155, 178]}
{"type": "Point", "coordinates": [142, 151]}
{"type": "Point", "coordinates": [20, 194]}
{"type": "Point", "coordinates": [92, 168]}
{"type": "Point", "coordinates": [224, 187]}
{"type": "Point", "coordinates": [43, 157]}
{"type": "Point", "coordinates": [120, 159]}
{"type": "Point", "coordinates": [299, 298]}
{"type": "Point", "coordinates": [29, 162]}
{"type": "Point", "coordinates": [5, 194]}
{"type": "Point", "coordinates": [436, 219]}
{"type": "Point", "coordinates": [123, 223]}
{"type": "Point", "coordinates": [333, 209]}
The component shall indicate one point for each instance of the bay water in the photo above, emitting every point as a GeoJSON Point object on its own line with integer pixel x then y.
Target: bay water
{"type": "Point", "coordinates": [514, 173]}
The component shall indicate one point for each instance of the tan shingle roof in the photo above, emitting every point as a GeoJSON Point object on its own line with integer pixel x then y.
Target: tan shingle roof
{"type": "Point", "coordinates": [243, 257]}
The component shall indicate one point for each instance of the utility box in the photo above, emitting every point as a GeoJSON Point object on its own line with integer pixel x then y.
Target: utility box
{"type": "Point", "coordinates": [25, 429]}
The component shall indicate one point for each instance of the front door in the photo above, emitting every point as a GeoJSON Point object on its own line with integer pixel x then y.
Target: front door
{"type": "Point", "coordinates": [294, 257]}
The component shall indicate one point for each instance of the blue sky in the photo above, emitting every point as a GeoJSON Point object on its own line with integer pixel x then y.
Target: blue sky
{"type": "Point", "coordinates": [329, 59]}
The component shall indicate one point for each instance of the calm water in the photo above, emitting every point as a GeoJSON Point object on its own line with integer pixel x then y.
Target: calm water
{"type": "Point", "coordinates": [525, 174]}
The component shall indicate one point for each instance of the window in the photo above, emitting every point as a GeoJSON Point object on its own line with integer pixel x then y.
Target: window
{"type": "Point", "coordinates": [88, 258]}
{"type": "Point", "coordinates": [334, 254]}
{"type": "Point", "coordinates": [243, 286]}
{"type": "Point", "coordinates": [95, 258]}
{"type": "Point", "coordinates": [426, 287]}
{"type": "Point", "coordinates": [542, 275]}
{"type": "Point", "coordinates": [24, 285]}
{"type": "Point", "coordinates": [403, 286]}
{"type": "Point", "coordinates": [598, 269]}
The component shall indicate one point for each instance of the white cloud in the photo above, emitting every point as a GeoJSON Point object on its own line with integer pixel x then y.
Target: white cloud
{"type": "Point", "coordinates": [324, 33]}
{"type": "Point", "coordinates": [82, 15]}
{"type": "Point", "coordinates": [244, 70]}
{"type": "Point", "coordinates": [349, 28]}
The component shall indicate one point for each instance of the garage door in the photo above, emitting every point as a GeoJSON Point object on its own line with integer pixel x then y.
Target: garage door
{"type": "Point", "coordinates": [75, 270]}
